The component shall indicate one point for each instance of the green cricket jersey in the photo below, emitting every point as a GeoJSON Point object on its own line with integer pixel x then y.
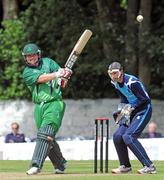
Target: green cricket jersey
{"type": "Point", "coordinates": [49, 106]}
{"type": "Point", "coordinates": [42, 92]}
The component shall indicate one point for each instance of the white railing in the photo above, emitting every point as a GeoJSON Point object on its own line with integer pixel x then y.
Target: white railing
{"type": "Point", "coordinates": [79, 150]}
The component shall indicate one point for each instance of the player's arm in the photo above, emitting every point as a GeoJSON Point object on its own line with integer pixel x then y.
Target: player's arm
{"type": "Point", "coordinates": [60, 73]}
{"type": "Point", "coordinates": [55, 72]}
{"type": "Point", "coordinates": [46, 77]}
{"type": "Point", "coordinates": [123, 100]}
{"type": "Point", "coordinates": [140, 93]}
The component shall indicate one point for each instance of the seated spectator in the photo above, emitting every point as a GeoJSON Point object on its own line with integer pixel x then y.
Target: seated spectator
{"type": "Point", "coordinates": [152, 132]}
{"type": "Point", "coordinates": [15, 136]}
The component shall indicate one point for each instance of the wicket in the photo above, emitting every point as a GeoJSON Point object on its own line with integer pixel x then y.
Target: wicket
{"type": "Point", "coordinates": [101, 122]}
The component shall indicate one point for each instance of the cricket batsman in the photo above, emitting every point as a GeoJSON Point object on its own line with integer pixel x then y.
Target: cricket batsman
{"type": "Point", "coordinates": [132, 116]}
{"type": "Point", "coordinates": [43, 78]}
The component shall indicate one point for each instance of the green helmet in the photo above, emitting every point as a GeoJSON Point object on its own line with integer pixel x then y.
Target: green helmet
{"type": "Point", "coordinates": [31, 49]}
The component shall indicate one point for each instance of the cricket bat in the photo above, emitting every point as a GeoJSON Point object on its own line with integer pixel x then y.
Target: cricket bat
{"type": "Point", "coordinates": [78, 48]}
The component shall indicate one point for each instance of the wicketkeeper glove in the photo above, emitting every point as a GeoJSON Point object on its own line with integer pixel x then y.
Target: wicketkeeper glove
{"type": "Point", "coordinates": [116, 114]}
{"type": "Point", "coordinates": [122, 115]}
{"type": "Point", "coordinates": [127, 110]}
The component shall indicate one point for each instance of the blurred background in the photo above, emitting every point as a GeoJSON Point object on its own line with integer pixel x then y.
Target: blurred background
{"type": "Point", "coordinates": [55, 26]}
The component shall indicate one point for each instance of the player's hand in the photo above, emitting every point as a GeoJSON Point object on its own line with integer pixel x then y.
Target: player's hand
{"type": "Point", "coordinates": [127, 110]}
{"type": "Point", "coordinates": [123, 113]}
{"type": "Point", "coordinates": [62, 82]}
{"type": "Point", "coordinates": [116, 114]}
{"type": "Point", "coordinates": [121, 118]}
{"type": "Point", "coordinates": [64, 73]}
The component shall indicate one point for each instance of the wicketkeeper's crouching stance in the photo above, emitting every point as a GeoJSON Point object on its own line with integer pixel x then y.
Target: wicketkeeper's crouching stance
{"type": "Point", "coordinates": [43, 77]}
{"type": "Point", "coordinates": [132, 116]}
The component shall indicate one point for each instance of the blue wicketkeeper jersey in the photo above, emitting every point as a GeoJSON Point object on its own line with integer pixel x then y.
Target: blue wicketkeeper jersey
{"type": "Point", "coordinates": [132, 91]}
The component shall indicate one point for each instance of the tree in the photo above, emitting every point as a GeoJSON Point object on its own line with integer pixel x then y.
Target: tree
{"type": "Point", "coordinates": [131, 64]}
{"type": "Point", "coordinates": [10, 9]}
{"type": "Point", "coordinates": [56, 25]}
{"type": "Point", "coordinates": [144, 42]}
{"type": "Point", "coordinates": [109, 12]}
{"type": "Point", "coordinates": [11, 40]}
{"type": "Point", "coordinates": [104, 19]}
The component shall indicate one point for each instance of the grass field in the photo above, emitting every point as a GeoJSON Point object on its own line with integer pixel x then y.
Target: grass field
{"type": "Point", "coordinates": [76, 170]}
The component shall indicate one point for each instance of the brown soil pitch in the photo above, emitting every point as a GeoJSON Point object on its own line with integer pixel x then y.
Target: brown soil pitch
{"type": "Point", "coordinates": [23, 176]}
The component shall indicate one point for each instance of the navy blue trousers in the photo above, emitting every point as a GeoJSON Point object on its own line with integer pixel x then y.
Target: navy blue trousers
{"type": "Point", "coordinates": [127, 137]}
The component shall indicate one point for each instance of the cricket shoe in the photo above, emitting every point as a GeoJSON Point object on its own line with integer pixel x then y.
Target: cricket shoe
{"type": "Point", "coordinates": [148, 170]}
{"type": "Point", "coordinates": [61, 170]}
{"type": "Point", "coordinates": [122, 170]}
{"type": "Point", "coordinates": [33, 170]}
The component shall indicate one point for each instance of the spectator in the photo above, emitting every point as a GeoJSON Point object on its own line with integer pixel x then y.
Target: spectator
{"type": "Point", "coordinates": [152, 132]}
{"type": "Point", "coordinates": [15, 136]}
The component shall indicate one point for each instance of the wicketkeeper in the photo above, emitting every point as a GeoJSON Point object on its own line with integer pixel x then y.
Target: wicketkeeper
{"type": "Point", "coordinates": [44, 78]}
{"type": "Point", "coordinates": [133, 114]}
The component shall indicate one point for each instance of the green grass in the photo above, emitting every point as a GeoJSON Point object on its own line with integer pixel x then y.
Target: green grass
{"type": "Point", "coordinates": [76, 170]}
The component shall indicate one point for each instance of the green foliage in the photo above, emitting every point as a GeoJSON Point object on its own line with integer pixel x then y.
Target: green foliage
{"type": "Point", "coordinates": [56, 25]}
{"type": "Point", "coordinates": [156, 52]}
{"type": "Point", "coordinates": [11, 38]}
{"type": "Point", "coordinates": [124, 4]}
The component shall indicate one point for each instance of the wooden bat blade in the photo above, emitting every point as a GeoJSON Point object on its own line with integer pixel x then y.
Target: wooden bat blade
{"type": "Point", "coordinates": [79, 46]}
{"type": "Point", "coordinates": [82, 41]}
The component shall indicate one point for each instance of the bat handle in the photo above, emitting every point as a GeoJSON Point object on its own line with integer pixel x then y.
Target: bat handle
{"type": "Point", "coordinates": [71, 61]}
{"type": "Point", "coordinates": [62, 82]}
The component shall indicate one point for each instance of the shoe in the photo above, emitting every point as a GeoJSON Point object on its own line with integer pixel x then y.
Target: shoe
{"type": "Point", "coordinates": [33, 170]}
{"type": "Point", "coordinates": [148, 170]}
{"type": "Point", "coordinates": [61, 170]}
{"type": "Point", "coordinates": [122, 169]}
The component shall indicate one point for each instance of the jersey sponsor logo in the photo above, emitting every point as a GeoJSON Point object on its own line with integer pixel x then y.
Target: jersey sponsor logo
{"type": "Point", "coordinates": [138, 117]}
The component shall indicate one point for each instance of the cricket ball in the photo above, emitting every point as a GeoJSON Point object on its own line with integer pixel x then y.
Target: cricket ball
{"type": "Point", "coordinates": [139, 18]}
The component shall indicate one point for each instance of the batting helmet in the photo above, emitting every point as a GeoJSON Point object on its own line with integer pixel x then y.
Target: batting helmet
{"type": "Point", "coordinates": [115, 66]}
{"type": "Point", "coordinates": [30, 49]}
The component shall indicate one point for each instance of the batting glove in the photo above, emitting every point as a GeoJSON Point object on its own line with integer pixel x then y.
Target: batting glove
{"type": "Point", "coordinates": [62, 82]}
{"type": "Point", "coordinates": [63, 73]}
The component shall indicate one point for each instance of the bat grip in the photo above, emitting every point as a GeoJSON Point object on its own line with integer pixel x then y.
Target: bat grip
{"type": "Point", "coordinates": [71, 61]}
